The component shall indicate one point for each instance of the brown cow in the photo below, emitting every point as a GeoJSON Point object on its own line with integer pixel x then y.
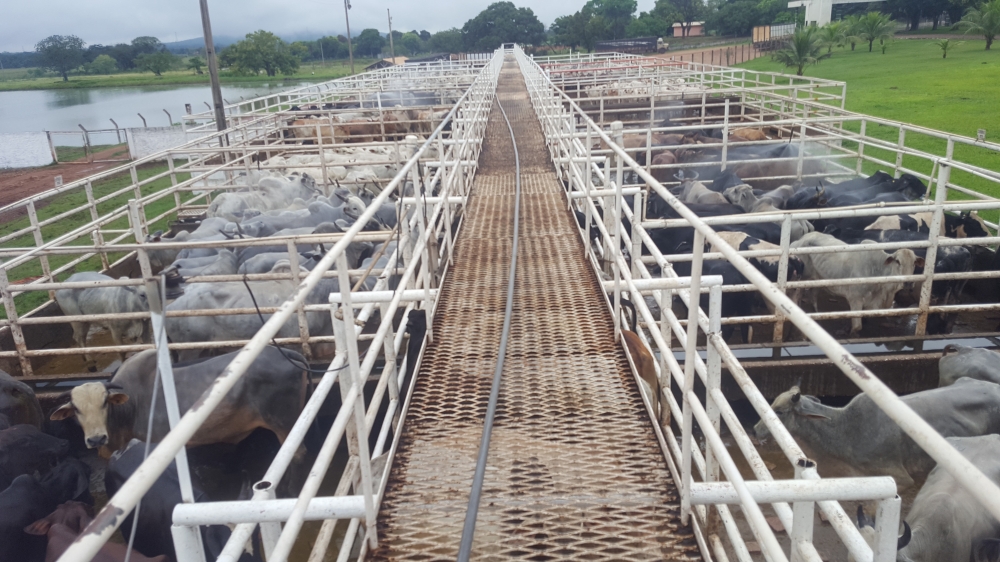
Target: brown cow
{"type": "Point", "coordinates": [65, 524]}
{"type": "Point", "coordinates": [740, 135]}
{"type": "Point", "coordinates": [645, 364]}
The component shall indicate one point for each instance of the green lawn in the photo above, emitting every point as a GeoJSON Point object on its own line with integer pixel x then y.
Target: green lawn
{"type": "Point", "coordinates": [913, 84]}
{"type": "Point", "coordinates": [18, 79]}
{"type": "Point", "coordinates": [74, 153]}
{"type": "Point", "coordinates": [78, 200]}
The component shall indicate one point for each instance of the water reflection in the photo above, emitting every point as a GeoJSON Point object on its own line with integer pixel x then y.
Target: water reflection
{"type": "Point", "coordinates": [68, 98]}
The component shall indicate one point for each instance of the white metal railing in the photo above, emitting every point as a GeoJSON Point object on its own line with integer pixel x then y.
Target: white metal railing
{"type": "Point", "coordinates": [100, 233]}
{"type": "Point", "coordinates": [431, 222]}
{"type": "Point", "coordinates": [572, 133]}
{"type": "Point", "coordinates": [830, 143]}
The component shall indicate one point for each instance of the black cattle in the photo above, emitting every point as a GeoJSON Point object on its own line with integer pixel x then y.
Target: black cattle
{"type": "Point", "coordinates": [733, 304]}
{"type": "Point", "coordinates": [26, 450]}
{"type": "Point", "coordinates": [28, 499]}
{"type": "Point", "coordinates": [807, 197]}
{"type": "Point", "coordinates": [883, 189]}
{"type": "Point", "coordinates": [18, 402]}
{"type": "Point", "coordinates": [153, 537]}
{"type": "Point", "coordinates": [768, 265]}
{"type": "Point", "coordinates": [724, 181]}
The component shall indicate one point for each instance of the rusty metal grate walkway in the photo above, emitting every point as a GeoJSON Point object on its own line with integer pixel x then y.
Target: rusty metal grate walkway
{"type": "Point", "coordinates": [574, 471]}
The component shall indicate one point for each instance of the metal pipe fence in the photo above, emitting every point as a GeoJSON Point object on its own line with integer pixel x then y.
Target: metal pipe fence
{"type": "Point", "coordinates": [98, 232]}
{"type": "Point", "coordinates": [360, 487]}
{"type": "Point", "coordinates": [599, 178]}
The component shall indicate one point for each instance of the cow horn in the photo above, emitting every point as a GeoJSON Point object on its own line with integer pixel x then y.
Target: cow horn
{"type": "Point", "coordinates": [950, 348]}
{"type": "Point", "coordinates": [65, 396]}
{"type": "Point", "coordinates": [796, 396]}
{"type": "Point", "coordinates": [904, 540]}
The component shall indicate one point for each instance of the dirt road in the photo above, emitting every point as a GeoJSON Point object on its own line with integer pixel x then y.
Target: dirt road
{"type": "Point", "coordinates": [18, 184]}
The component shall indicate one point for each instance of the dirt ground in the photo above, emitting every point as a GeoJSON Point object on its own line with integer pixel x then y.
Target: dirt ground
{"type": "Point", "coordinates": [19, 184]}
{"type": "Point", "coordinates": [714, 55]}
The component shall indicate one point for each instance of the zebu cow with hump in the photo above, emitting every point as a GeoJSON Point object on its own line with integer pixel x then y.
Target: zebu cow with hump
{"type": "Point", "coordinates": [947, 523]}
{"type": "Point", "coordinates": [270, 395]}
{"type": "Point", "coordinates": [861, 439]}
{"type": "Point", "coordinates": [973, 362]}
{"type": "Point", "coordinates": [849, 265]}
{"type": "Point", "coordinates": [104, 300]}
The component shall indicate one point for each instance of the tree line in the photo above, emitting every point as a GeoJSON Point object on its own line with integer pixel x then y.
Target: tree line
{"type": "Point", "coordinates": [264, 52]}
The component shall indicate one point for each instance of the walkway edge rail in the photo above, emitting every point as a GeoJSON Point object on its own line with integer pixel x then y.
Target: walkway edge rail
{"type": "Point", "coordinates": [551, 104]}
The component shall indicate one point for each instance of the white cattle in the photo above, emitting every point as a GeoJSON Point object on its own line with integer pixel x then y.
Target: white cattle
{"type": "Point", "coordinates": [850, 265]}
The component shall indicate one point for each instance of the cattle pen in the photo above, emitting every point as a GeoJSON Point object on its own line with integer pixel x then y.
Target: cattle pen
{"type": "Point", "coordinates": [579, 462]}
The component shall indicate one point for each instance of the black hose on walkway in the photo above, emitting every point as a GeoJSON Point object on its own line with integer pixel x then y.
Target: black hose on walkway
{"type": "Point", "coordinates": [472, 511]}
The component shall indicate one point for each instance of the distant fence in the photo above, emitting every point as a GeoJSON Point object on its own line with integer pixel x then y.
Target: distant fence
{"type": "Point", "coordinates": [638, 45]}
{"type": "Point", "coordinates": [145, 141]}
{"type": "Point", "coordinates": [25, 150]}
{"type": "Point", "coordinates": [722, 56]}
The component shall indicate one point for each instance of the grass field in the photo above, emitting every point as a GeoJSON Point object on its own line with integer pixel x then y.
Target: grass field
{"type": "Point", "coordinates": [913, 84]}
{"type": "Point", "coordinates": [74, 153]}
{"type": "Point", "coordinates": [78, 200]}
{"type": "Point", "coordinates": [19, 79]}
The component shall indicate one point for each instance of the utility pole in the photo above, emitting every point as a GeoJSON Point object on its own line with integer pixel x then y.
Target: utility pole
{"type": "Point", "coordinates": [350, 49]}
{"type": "Point", "coordinates": [321, 55]}
{"type": "Point", "coordinates": [213, 68]}
{"type": "Point", "coordinates": [392, 50]}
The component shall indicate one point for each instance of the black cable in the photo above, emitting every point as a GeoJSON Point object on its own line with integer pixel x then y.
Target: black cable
{"type": "Point", "coordinates": [472, 512]}
{"type": "Point", "coordinates": [295, 362]}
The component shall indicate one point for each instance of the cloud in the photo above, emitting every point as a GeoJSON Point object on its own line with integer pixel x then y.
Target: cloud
{"type": "Point", "coordinates": [116, 21]}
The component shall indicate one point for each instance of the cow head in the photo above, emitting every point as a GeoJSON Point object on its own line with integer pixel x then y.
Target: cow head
{"type": "Point", "coordinates": [905, 261]}
{"type": "Point", "coordinates": [790, 406]}
{"type": "Point", "coordinates": [971, 225]}
{"type": "Point", "coordinates": [866, 525]}
{"type": "Point", "coordinates": [89, 403]}
{"type": "Point", "coordinates": [741, 195]}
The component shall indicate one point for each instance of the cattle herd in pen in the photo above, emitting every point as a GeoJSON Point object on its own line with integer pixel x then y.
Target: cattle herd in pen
{"type": "Point", "coordinates": [46, 489]}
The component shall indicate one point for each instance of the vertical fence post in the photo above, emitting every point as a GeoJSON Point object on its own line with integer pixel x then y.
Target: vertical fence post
{"type": "Point", "coordinates": [725, 134]}
{"type": "Point", "coordinates": [587, 183]}
{"type": "Point", "coordinates": [690, 353]}
{"type": "Point", "coordinates": [937, 220]}
{"type": "Point", "coordinates": [15, 327]}
{"type": "Point", "coordinates": [637, 216]}
{"type": "Point", "coordinates": [802, 516]}
{"type": "Point", "coordinates": [713, 382]}
{"type": "Point", "coordinates": [36, 232]}
{"type": "Point", "coordinates": [666, 300]}
{"type": "Point", "coordinates": [861, 146]}
{"type": "Point", "coordinates": [886, 529]}
{"type": "Point", "coordinates": [899, 152]}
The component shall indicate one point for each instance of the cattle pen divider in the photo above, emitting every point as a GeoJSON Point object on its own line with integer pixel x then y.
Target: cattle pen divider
{"type": "Point", "coordinates": [347, 367]}
{"type": "Point", "coordinates": [595, 180]}
{"type": "Point", "coordinates": [572, 149]}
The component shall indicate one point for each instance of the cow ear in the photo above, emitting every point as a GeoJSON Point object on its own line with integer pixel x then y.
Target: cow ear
{"type": "Point", "coordinates": [39, 528]}
{"type": "Point", "coordinates": [890, 259]}
{"type": "Point", "coordinates": [63, 412]}
{"type": "Point", "coordinates": [814, 416]}
{"type": "Point", "coordinates": [919, 262]}
{"type": "Point", "coordinates": [117, 398]}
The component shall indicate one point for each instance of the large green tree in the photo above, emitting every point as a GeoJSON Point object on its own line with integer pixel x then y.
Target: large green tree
{"type": "Point", "coordinates": [984, 20]}
{"type": "Point", "coordinates": [805, 48]}
{"type": "Point", "coordinates": [649, 25]}
{"type": "Point", "coordinates": [157, 63]}
{"type": "Point", "coordinates": [260, 51]}
{"type": "Point", "coordinates": [61, 53]}
{"type": "Point", "coordinates": [617, 15]}
{"type": "Point", "coordinates": [689, 12]}
{"type": "Point", "coordinates": [502, 22]}
{"type": "Point", "coordinates": [369, 43]}
{"type": "Point", "coordinates": [447, 41]}
{"type": "Point", "coordinates": [571, 30]}
{"type": "Point", "coordinates": [411, 43]}
{"type": "Point", "coordinates": [102, 64]}
{"type": "Point", "coordinates": [146, 44]}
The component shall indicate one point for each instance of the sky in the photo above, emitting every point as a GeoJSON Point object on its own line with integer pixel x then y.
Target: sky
{"type": "Point", "coordinates": [22, 24]}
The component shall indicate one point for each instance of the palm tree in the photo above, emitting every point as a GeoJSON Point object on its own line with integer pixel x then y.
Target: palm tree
{"type": "Point", "coordinates": [946, 45]}
{"type": "Point", "coordinates": [805, 48]}
{"type": "Point", "coordinates": [833, 35]}
{"type": "Point", "coordinates": [851, 24]}
{"type": "Point", "coordinates": [875, 26]}
{"type": "Point", "coordinates": [984, 20]}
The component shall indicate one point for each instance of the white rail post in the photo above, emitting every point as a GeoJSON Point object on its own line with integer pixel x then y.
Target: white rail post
{"type": "Point", "coordinates": [778, 334]}
{"type": "Point", "coordinates": [886, 530]}
{"type": "Point", "coordinates": [725, 135]}
{"type": "Point", "coordinates": [406, 241]}
{"type": "Point", "coordinates": [713, 381]}
{"type": "Point", "coordinates": [930, 259]}
{"type": "Point", "coordinates": [36, 231]}
{"type": "Point", "coordinates": [666, 301]}
{"type": "Point", "coordinates": [303, 320]}
{"type": "Point", "coordinates": [900, 145]}
{"type": "Point", "coordinates": [802, 151]}
{"type": "Point", "coordinates": [357, 429]}
{"type": "Point", "coordinates": [802, 517]}
{"type": "Point", "coordinates": [861, 146]}
{"type": "Point", "coordinates": [322, 155]}
{"type": "Point", "coordinates": [637, 216]}
{"type": "Point", "coordinates": [15, 327]}
{"type": "Point", "coordinates": [587, 185]}
{"type": "Point", "coordinates": [611, 202]}
{"type": "Point", "coordinates": [690, 354]}
{"type": "Point", "coordinates": [94, 216]}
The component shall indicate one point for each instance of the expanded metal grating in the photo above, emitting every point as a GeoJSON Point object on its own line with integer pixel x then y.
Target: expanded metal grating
{"type": "Point", "coordinates": [574, 471]}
